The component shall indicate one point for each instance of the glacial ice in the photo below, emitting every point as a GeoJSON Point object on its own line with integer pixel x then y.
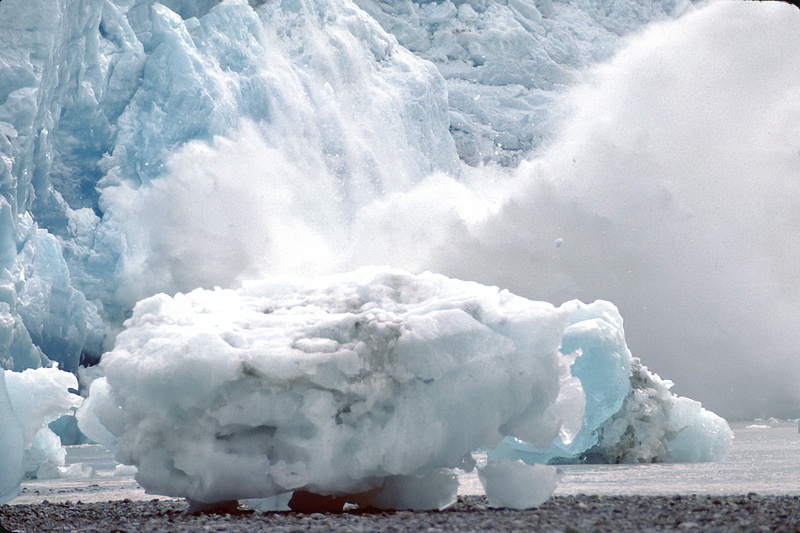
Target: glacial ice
{"type": "Point", "coordinates": [504, 62]}
{"type": "Point", "coordinates": [29, 401]}
{"type": "Point", "coordinates": [355, 385]}
{"type": "Point", "coordinates": [517, 485]}
{"type": "Point", "coordinates": [13, 446]}
{"type": "Point", "coordinates": [630, 416]}
{"type": "Point", "coordinates": [365, 386]}
{"type": "Point", "coordinates": [97, 97]}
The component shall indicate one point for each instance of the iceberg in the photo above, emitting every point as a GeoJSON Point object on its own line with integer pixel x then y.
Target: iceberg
{"type": "Point", "coordinates": [368, 386]}
{"type": "Point", "coordinates": [630, 414]}
{"type": "Point", "coordinates": [29, 401]}
{"type": "Point", "coordinates": [13, 446]}
{"type": "Point", "coordinates": [361, 385]}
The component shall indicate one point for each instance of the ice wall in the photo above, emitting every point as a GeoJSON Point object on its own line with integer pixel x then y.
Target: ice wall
{"type": "Point", "coordinates": [505, 61]}
{"type": "Point", "coordinates": [97, 95]}
{"type": "Point", "coordinates": [99, 99]}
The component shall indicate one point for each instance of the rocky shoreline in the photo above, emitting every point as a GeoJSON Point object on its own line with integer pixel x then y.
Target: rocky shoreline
{"type": "Point", "coordinates": [745, 513]}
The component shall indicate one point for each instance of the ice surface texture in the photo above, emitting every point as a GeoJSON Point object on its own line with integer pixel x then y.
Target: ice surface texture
{"type": "Point", "coordinates": [97, 96]}
{"type": "Point", "coordinates": [342, 385]}
{"type": "Point", "coordinates": [29, 401]}
{"type": "Point", "coordinates": [504, 61]}
{"type": "Point", "coordinates": [368, 384]}
{"type": "Point", "coordinates": [630, 415]}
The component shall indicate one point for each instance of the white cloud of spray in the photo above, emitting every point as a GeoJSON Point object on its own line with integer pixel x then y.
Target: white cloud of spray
{"type": "Point", "coordinates": [674, 188]}
{"type": "Point", "coordinates": [670, 189]}
{"type": "Point", "coordinates": [235, 209]}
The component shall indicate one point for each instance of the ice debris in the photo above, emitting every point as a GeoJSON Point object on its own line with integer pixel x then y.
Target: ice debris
{"type": "Point", "coordinates": [367, 387]}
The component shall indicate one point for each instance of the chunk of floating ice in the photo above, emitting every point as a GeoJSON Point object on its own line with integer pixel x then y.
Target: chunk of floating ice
{"type": "Point", "coordinates": [124, 470]}
{"type": "Point", "coordinates": [368, 386]}
{"type": "Point", "coordinates": [48, 470]}
{"type": "Point", "coordinates": [517, 485]}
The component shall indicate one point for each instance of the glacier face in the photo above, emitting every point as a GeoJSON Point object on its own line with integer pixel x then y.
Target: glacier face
{"type": "Point", "coordinates": [504, 61]}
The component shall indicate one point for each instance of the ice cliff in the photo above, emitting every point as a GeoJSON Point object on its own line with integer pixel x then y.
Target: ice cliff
{"type": "Point", "coordinates": [99, 98]}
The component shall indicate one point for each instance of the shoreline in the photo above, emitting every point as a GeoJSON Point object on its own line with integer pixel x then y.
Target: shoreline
{"type": "Point", "coordinates": [576, 513]}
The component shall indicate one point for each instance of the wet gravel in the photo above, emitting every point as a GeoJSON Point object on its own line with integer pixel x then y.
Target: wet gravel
{"type": "Point", "coordinates": [746, 513]}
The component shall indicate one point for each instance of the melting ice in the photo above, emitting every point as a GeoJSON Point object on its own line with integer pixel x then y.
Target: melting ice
{"type": "Point", "coordinates": [160, 147]}
{"type": "Point", "coordinates": [362, 385]}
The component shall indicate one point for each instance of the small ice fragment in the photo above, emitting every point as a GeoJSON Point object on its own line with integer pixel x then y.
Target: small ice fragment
{"type": "Point", "coordinates": [125, 470]}
{"type": "Point", "coordinates": [518, 485]}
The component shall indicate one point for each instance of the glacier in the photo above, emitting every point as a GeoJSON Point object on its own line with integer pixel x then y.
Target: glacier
{"type": "Point", "coordinates": [351, 386]}
{"type": "Point", "coordinates": [154, 147]}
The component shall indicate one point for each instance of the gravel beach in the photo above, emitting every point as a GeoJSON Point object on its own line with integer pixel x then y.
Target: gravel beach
{"type": "Point", "coordinates": [746, 513]}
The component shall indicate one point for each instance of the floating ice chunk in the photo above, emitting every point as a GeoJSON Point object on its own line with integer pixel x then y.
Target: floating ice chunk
{"type": "Point", "coordinates": [630, 415]}
{"type": "Point", "coordinates": [124, 470]}
{"type": "Point", "coordinates": [45, 449]}
{"type": "Point", "coordinates": [363, 385]}
{"type": "Point", "coordinates": [29, 401]}
{"type": "Point", "coordinates": [48, 470]}
{"type": "Point", "coordinates": [517, 485]}
{"type": "Point", "coordinates": [13, 445]}
{"type": "Point", "coordinates": [435, 489]}
{"type": "Point", "coordinates": [40, 396]}
{"type": "Point", "coordinates": [655, 425]}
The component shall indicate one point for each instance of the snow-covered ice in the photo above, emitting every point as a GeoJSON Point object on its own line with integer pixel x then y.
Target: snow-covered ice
{"type": "Point", "coordinates": [29, 401]}
{"type": "Point", "coordinates": [347, 385]}
{"type": "Point", "coordinates": [367, 385]}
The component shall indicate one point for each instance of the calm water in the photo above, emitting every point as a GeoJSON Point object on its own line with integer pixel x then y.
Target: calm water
{"type": "Point", "coordinates": [765, 459]}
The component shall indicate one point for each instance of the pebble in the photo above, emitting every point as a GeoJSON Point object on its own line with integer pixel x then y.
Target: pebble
{"type": "Point", "coordinates": [574, 514]}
